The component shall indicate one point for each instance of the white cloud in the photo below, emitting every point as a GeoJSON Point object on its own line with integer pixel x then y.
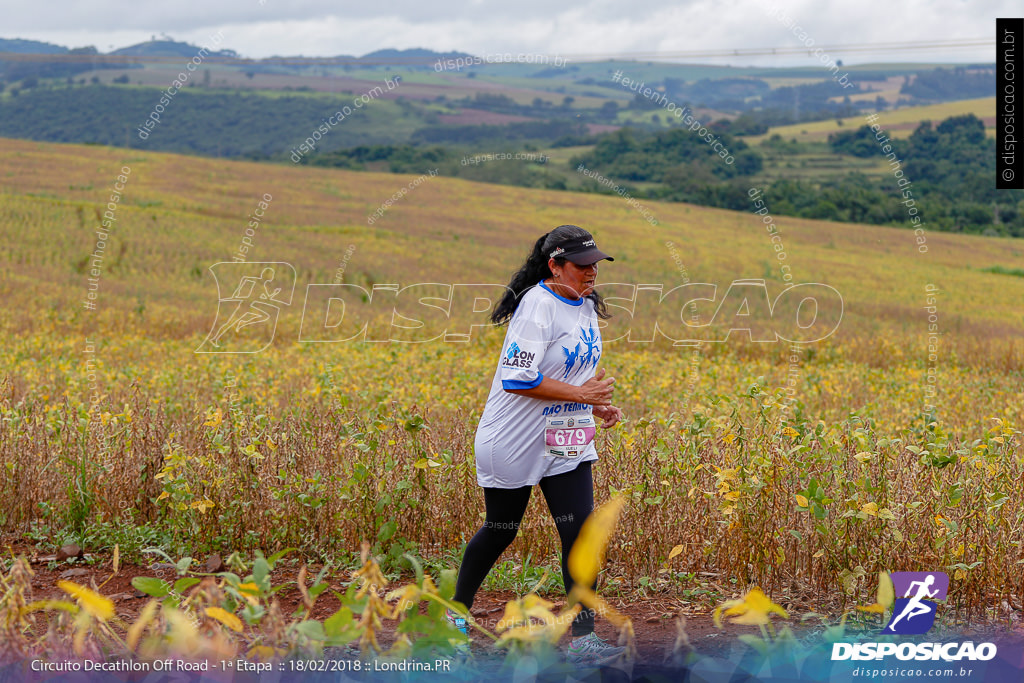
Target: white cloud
{"type": "Point", "coordinates": [593, 27]}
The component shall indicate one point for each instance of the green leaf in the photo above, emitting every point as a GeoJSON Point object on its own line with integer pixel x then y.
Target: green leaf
{"type": "Point", "coordinates": [260, 571]}
{"type": "Point", "coordinates": [415, 424]}
{"type": "Point", "coordinates": [276, 589]}
{"type": "Point", "coordinates": [153, 587]}
{"type": "Point", "coordinates": [387, 530]}
{"type": "Point", "coordinates": [416, 566]}
{"type": "Point", "coordinates": [340, 626]}
{"type": "Point", "coordinates": [446, 583]}
{"type": "Point", "coordinates": [230, 578]}
{"type": "Point", "coordinates": [253, 613]}
{"type": "Point", "coordinates": [161, 553]}
{"type": "Point", "coordinates": [272, 560]}
{"type": "Point", "coordinates": [312, 629]}
{"type": "Point", "coordinates": [183, 564]}
{"type": "Point", "coordinates": [183, 584]}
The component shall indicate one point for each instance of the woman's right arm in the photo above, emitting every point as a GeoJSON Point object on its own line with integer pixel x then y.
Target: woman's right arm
{"type": "Point", "coordinates": [595, 391]}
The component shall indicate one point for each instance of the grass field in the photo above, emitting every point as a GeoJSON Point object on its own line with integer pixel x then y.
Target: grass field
{"type": "Point", "coordinates": [115, 431]}
{"type": "Point", "coordinates": [899, 122]}
{"type": "Point", "coordinates": [816, 164]}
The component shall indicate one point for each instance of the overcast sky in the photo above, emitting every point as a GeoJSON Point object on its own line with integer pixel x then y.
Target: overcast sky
{"type": "Point", "coordinates": [262, 28]}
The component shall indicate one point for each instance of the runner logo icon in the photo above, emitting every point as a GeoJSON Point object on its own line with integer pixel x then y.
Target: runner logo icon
{"type": "Point", "coordinates": [914, 610]}
{"type": "Point", "coordinates": [250, 297]}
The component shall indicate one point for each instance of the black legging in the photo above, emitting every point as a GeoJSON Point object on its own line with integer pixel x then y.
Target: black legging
{"type": "Point", "coordinates": [570, 498]}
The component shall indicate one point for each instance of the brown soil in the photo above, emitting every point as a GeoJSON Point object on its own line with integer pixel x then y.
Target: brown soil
{"type": "Point", "coordinates": [654, 617]}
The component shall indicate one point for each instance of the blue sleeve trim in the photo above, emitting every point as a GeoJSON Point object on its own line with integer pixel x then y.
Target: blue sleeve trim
{"type": "Point", "coordinates": [571, 302]}
{"type": "Point", "coordinates": [517, 384]}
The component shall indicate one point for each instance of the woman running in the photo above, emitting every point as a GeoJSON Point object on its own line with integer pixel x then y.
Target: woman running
{"type": "Point", "coordinates": [538, 424]}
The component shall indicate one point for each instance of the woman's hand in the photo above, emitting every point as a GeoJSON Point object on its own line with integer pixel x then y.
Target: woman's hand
{"type": "Point", "coordinates": [610, 414]}
{"type": "Point", "coordinates": [597, 391]}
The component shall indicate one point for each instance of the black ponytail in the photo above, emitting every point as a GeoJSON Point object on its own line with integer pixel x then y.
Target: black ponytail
{"type": "Point", "coordinates": [535, 269]}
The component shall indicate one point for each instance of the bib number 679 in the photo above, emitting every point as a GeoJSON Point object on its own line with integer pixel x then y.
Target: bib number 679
{"type": "Point", "coordinates": [570, 437]}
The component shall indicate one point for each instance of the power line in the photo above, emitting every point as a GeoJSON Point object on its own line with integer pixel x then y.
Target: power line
{"type": "Point", "coordinates": [795, 50]}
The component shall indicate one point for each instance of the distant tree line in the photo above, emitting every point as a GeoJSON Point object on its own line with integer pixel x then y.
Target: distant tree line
{"type": "Point", "coordinates": [222, 124]}
{"type": "Point", "coordinates": [475, 135]}
{"type": "Point", "coordinates": [87, 59]}
{"type": "Point", "coordinates": [951, 167]}
{"type": "Point", "coordinates": [635, 156]}
{"type": "Point", "coordinates": [528, 170]}
{"type": "Point", "coordinates": [942, 85]}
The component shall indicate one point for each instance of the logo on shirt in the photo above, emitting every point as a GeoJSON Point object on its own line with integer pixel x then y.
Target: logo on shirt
{"type": "Point", "coordinates": [593, 353]}
{"type": "Point", "coordinates": [587, 352]}
{"type": "Point", "coordinates": [517, 358]}
{"type": "Point", "coordinates": [570, 359]}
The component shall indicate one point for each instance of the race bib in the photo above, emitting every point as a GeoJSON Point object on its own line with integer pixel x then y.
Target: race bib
{"type": "Point", "coordinates": [568, 437]}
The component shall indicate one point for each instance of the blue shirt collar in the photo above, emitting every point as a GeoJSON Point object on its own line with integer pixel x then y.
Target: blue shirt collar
{"type": "Point", "coordinates": [571, 302]}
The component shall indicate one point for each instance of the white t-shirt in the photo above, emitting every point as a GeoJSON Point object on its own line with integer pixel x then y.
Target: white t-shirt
{"type": "Point", "coordinates": [548, 336]}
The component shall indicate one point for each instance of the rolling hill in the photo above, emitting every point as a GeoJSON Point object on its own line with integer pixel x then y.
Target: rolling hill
{"type": "Point", "coordinates": [181, 214]}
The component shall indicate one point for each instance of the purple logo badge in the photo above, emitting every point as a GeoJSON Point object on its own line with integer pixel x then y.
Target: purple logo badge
{"type": "Point", "coordinates": [914, 610]}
